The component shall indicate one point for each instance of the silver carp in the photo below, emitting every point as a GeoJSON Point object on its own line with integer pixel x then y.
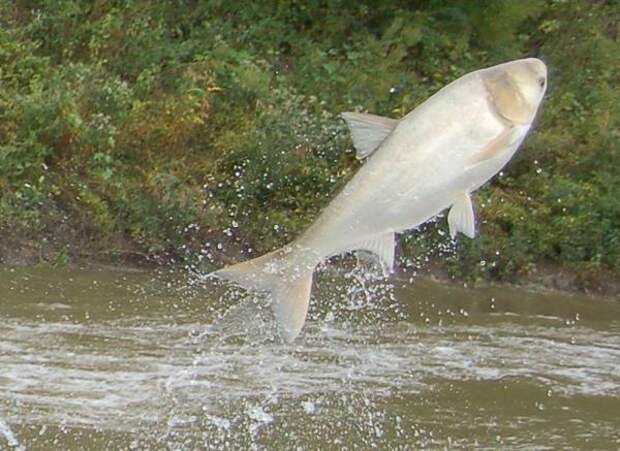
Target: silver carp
{"type": "Point", "coordinates": [430, 160]}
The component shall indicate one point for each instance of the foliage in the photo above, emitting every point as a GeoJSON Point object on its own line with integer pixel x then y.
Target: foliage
{"type": "Point", "coordinates": [168, 125]}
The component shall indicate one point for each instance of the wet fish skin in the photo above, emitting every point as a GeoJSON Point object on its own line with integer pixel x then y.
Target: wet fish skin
{"type": "Point", "coordinates": [430, 160]}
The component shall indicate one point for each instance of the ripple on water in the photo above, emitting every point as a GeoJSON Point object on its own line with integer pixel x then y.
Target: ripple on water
{"type": "Point", "coordinates": [486, 376]}
{"type": "Point", "coordinates": [90, 374]}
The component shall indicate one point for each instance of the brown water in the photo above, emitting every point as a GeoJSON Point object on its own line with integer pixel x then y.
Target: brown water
{"type": "Point", "coordinates": [113, 360]}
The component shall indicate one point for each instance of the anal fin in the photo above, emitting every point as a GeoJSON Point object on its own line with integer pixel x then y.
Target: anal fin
{"type": "Point", "coordinates": [383, 247]}
{"type": "Point", "coordinates": [461, 216]}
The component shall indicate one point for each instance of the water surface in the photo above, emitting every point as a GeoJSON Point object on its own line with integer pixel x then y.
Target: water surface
{"type": "Point", "coordinates": [126, 360]}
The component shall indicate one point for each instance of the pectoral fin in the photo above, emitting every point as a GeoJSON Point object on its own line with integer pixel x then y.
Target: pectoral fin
{"type": "Point", "coordinates": [368, 131]}
{"type": "Point", "coordinates": [461, 216]}
{"type": "Point", "coordinates": [495, 148]}
{"type": "Point", "coordinates": [383, 247]}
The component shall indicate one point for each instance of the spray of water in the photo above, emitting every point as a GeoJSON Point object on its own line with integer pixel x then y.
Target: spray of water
{"type": "Point", "coordinates": [11, 440]}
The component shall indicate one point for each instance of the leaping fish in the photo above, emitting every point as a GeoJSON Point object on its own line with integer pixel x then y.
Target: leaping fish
{"type": "Point", "coordinates": [430, 160]}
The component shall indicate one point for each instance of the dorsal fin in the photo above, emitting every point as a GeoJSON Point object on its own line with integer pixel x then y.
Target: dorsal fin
{"type": "Point", "coordinates": [368, 131]}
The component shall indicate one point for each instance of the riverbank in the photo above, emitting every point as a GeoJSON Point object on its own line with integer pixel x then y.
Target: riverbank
{"type": "Point", "coordinates": [160, 136]}
{"type": "Point", "coordinates": [542, 277]}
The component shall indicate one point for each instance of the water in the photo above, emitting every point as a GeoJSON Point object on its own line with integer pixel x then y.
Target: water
{"type": "Point", "coordinates": [127, 360]}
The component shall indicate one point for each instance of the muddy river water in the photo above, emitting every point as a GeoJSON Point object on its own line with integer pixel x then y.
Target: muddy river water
{"type": "Point", "coordinates": [128, 360]}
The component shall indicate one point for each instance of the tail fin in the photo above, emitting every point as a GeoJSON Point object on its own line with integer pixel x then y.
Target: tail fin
{"type": "Point", "coordinates": [288, 280]}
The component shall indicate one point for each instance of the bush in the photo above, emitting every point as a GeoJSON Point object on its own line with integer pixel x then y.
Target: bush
{"type": "Point", "coordinates": [167, 125]}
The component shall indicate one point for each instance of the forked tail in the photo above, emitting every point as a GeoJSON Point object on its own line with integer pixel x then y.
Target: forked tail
{"type": "Point", "coordinates": [288, 280]}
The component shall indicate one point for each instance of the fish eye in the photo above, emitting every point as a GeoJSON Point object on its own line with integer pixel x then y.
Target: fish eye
{"type": "Point", "coordinates": [541, 82]}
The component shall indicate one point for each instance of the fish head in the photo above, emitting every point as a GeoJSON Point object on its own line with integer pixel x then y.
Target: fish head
{"type": "Point", "coordinates": [516, 89]}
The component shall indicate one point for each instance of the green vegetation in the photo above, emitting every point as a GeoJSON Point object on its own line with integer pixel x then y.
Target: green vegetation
{"type": "Point", "coordinates": [153, 127]}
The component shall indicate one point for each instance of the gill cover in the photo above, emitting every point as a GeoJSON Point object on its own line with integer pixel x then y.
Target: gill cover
{"type": "Point", "coordinates": [516, 89]}
{"type": "Point", "coordinates": [507, 98]}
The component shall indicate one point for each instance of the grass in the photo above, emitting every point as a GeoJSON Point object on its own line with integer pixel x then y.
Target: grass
{"type": "Point", "coordinates": [180, 129]}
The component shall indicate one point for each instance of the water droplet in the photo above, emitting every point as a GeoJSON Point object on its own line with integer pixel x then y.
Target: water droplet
{"type": "Point", "coordinates": [309, 407]}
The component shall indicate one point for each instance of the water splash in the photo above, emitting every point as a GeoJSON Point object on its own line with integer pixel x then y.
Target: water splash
{"type": "Point", "coordinates": [145, 373]}
{"type": "Point", "coordinates": [7, 433]}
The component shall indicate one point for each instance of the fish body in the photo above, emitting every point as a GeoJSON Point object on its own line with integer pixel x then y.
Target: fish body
{"type": "Point", "coordinates": [430, 160]}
